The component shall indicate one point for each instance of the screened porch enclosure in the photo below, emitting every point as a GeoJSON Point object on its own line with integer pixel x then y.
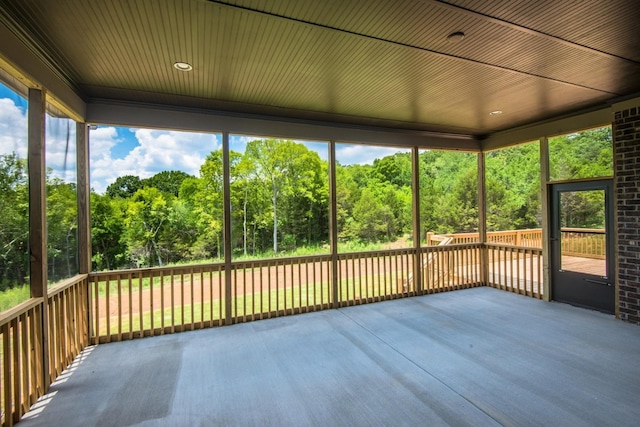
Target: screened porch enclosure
{"type": "Point", "coordinates": [99, 307]}
{"type": "Point", "coordinates": [223, 279]}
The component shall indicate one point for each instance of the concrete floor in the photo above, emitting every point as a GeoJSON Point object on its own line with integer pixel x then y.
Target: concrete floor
{"type": "Point", "coordinates": [478, 357]}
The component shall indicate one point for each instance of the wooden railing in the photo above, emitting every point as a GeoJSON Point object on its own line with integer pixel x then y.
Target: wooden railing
{"type": "Point", "coordinates": [529, 237]}
{"type": "Point", "coordinates": [451, 267]}
{"type": "Point", "coordinates": [584, 242]}
{"type": "Point", "coordinates": [119, 305]}
{"type": "Point", "coordinates": [21, 358]}
{"type": "Point", "coordinates": [279, 287]}
{"type": "Point", "coordinates": [135, 303]}
{"type": "Point", "coordinates": [365, 277]}
{"type": "Point", "coordinates": [130, 304]}
{"type": "Point", "coordinates": [514, 257]}
{"type": "Point", "coordinates": [581, 242]}
{"type": "Point", "coordinates": [21, 344]}
{"type": "Point", "coordinates": [516, 269]}
{"type": "Point", "coordinates": [68, 322]}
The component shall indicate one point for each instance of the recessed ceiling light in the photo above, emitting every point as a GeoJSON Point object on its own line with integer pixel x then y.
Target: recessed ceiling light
{"type": "Point", "coordinates": [183, 66]}
{"type": "Point", "coordinates": [455, 37]}
{"type": "Point", "coordinates": [495, 113]}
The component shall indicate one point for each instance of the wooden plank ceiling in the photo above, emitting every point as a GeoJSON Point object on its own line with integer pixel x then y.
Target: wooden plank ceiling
{"type": "Point", "coordinates": [365, 62]}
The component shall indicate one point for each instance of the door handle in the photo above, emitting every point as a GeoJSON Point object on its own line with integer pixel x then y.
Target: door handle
{"type": "Point", "coordinates": [598, 282]}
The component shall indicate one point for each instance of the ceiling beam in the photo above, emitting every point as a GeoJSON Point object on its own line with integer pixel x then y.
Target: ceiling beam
{"type": "Point", "coordinates": [625, 104]}
{"type": "Point", "coordinates": [548, 128]}
{"type": "Point", "coordinates": [168, 117]}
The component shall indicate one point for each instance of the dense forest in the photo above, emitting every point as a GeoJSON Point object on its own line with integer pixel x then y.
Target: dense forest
{"type": "Point", "coordinates": [280, 203]}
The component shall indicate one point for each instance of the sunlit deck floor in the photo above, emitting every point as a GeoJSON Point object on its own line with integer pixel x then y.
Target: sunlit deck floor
{"type": "Point", "coordinates": [476, 357]}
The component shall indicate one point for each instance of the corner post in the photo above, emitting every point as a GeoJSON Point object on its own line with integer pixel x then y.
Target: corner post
{"type": "Point", "coordinates": [417, 233]}
{"type": "Point", "coordinates": [482, 219]}
{"type": "Point", "coordinates": [226, 196]}
{"type": "Point", "coordinates": [546, 215]}
{"type": "Point", "coordinates": [84, 191]}
{"type": "Point", "coordinates": [333, 225]}
{"type": "Point", "coordinates": [84, 216]}
{"type": "Point", "coordinates": [38, 217]}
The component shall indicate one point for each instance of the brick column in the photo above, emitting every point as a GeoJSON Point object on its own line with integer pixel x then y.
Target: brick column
{"type": "Point", "coordinates": [626, 153]}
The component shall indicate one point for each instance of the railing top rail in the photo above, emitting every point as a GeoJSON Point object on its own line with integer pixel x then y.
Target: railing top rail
{"type": "Point", "coordinates": [514, 248]}
{"type": "Point", "coordinates": [583, 230]}
{"type": "Point", "coordinates": [20, 309]}
{"type": "Point", "coordinates": [444, 236]}
{"type": "Point", "coordinates": [493, 233]}
{"type": "Point", "coordinates": [378, 252]}
{"type": "Point", "coordinates": [450, 247]}
{"type": "Point", "coordinates": [67, 283]}
{"type": "Point", "coordinates": [280, 260]}
{"type": "Point", "coordinates": [154, 270]}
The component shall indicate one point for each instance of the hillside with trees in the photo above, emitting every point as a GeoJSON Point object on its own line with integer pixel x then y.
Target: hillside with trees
{"type": "Point", "coordinates": [280, 203]}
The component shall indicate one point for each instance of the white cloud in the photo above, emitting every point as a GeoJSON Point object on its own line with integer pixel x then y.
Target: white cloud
{"type": "Point", "coordinates": [363, 154]}
{"type": "Point", "coordinates": [156, 151]}
{"type": "Point", "coordinates": [13, 139]}
{"type": "Point", "coordinates": [13, 128]}
{"type": "Point", "coordinates": [61, 148]}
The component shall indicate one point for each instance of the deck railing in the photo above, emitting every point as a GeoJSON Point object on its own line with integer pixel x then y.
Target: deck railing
{"type": "Point", "coordinates": [21, 359]}
{"type": "Point", "coordinates": [584, 242]}
{"type": "Point", "coordinates": [529, 237]}
{"type": "Point", "coordinates": [131, 304]}
{"type": "Point", "coordinates": [21, 344]}
{"type": "Point", "coordinates": [278, 287]}
{"type": "Point", "coordinates": [365, 277]}
{"type": "Point", "coordinates": [514, 257]}
{"type": "Point", "coordinates": [581, 242]}
{"type": "Point", "coordinates": [119, 305]}
{"type": "Point", "coordinates": [135, 303]}
{"type": "Point", "coordinates": [516, 269]}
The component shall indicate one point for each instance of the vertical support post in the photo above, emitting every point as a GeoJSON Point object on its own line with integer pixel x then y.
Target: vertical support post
{"type": "Point", "coordinates": [333, 225]}
{"type": "Point", "coordinates": [84, 191]}
{"type": "Point", "coordinates": [417, 232]}
{"type": "Point", "coordinates": [38, 217]}
{"type": "Point", "coordinates": [482, 219]}
{"type": "Point", "coordinates": [226, 196]}
{"type": "Point", "coordinates": [84, 214]}
{"type": "Point", "coordinates": [546, 215]}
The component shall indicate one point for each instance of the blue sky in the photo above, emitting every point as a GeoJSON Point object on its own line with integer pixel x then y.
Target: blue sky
{"type": "Point", "coordinates": [117, 151]}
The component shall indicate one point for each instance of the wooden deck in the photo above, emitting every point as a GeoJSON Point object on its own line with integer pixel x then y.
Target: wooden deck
{"type": "Point", "coordinates": [597, 267]}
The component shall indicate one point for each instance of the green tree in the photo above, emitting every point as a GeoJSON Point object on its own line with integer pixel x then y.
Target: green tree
{"type": "Point", "coordinates": [108, 245]}
{"type": "Point", "coordinates": [62, 227]}
{"type": "Point", "coordinates": [124, 186]}
{"type": "Point", "coordinates": [208, 205]}
{"type": "Point", "coordinates": [247, 197]}
{"type": "Point", "coordinates": [277, 163]}
{"type": "Point", "coordinates": [304, 198]}
{"type": "Point", "coordinates": [146, 214]}
{"type": "Point", "coordinates": [585, 154]}
{"type": "Point", "coordinates": [513, 187]}
{"type": "Point", "coordinates": [14, 221]}
{"type": "Point", "coordinates": [394, 169]}
{"type": "Point", "coordinates": [371, 217]}
{"type": "Point", "coordinates": [166, 181]}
